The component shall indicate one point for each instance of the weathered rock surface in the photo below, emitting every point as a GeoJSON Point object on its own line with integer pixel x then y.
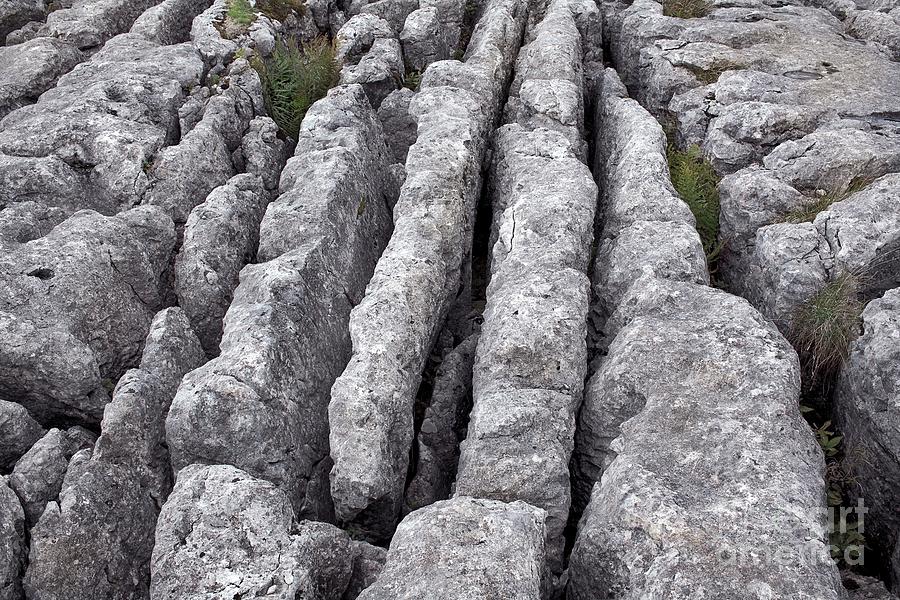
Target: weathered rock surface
{"type": "Point", "coordinates": [694, 417]}
{"type": "Point", "coordinates": [220, 237]}
{"type": "Point", "coordinates": [368, 561]}
{"type": "Point", "coordinates": [182, 176]}
{"type": "Point", "coordinates": [399, 126]}
{"type": "Point", "coordinates": [27, 70]}
{"type": "Point", "coordinates": [88, 142]}
{"type": "Point", "coordinates": [646, 228]}
{"type": "Point", "coordinates": [418, 276]}
{"type": "Point", "coordinates": [260, 551]}
{"type": "Point", "coordinates": [38, 476]}
{"type": "Point", "coordinates": [437, 443]}
{"type": "Point", "coordinates": [61, 351]}
{"type": "Point", "coordinates": [13, 550]}
{"type": "Point", "coordinates": [96, 542]}
{"type": "Point", "coordinates": [18, 433]}
{"type": "Point", "coordinates": [170, 21]}
{"type": "Point", "coordinates": [867, 411]}
{"type": "Point", "coordinates": [532, 355]}
{"type": "Point", "coordinates": [465, 548]}
{"type": "Point", "coordinates": [261, 405]}
{"type": "Point", "coordinates": [15, 13]}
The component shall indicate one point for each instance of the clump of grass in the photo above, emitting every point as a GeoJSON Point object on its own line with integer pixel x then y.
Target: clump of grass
{"type": "Point", "coordinates": [280, 9]}
{"type": "Point", "coordinates": [695, 181]}
{"type": "Point", "coordinates": [712, 73]}
{"type": "Point", "coordinates": [412, 80]}
{"type": "Point", "coordinates": [240, 13]}
{"type": "Point", "coordinates": [686, 9]}
{"type": "Point", "coordinates": [808, 211]}
{"type": "Point", "coordinates": [294, 78]}
{"type": "Point", "coordinates": [824, 326]}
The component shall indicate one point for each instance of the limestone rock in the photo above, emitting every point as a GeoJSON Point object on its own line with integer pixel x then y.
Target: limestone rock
{"type": "Point", "coordinates": [38, 476]}
{"type": "Point", "coordinates": [220, 237]}
{"type": "Point", "coordinates": [27, 70]}
{"type": "Point", "coordinates": [96, 542]}
{"type": "Point", "coordinates": [13, 551]}
{"type": "Point", "coordinates": [61, 352]}
{"type": "Point", "coordinates": [465, 548]}
{"type": "Point", "coordinates": [18, 433]}
{"type": "Point", "coordinates": [258, 553]}
{"type": "Point", "coordinates": [867, 411]}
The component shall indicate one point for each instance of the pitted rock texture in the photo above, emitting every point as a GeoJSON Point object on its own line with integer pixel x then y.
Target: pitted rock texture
{"type": "Point", "coordinates": [260, 553]}
{"type": "Point", "coordinates": [867, 410]}
{"type": "Point", "coordinates": [694, 381]}
{"type": "Point", "coordinates": [60, 352]}
{"type": "Point", "coordinates": [13, 551]}
{"type": "Point", "coordinates": [88, 142]}
{"type": "Point", "coordinates": [531, 360]}
{"type": "Point", "coordinates": [38, 476]}
{"type": "Point", "coordinates": [261, 405]}
{"type": "Point", "coordinates": [418, 276]}
{"type": "Point", "coordinates": [18, 432]}
{"type": "Point", "coordinates": [465, 548]}
{"type": "Point", "coordinates": [220, 237]}
{"type": "Point", "coordinates": [96, 541]}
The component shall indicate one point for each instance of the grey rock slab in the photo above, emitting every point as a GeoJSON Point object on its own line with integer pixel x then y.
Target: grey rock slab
{"type": "Point", "coordinates": [170, 21]}
{"type": "Point", "coordinates": [220, 237]}
{"type": "Point", "coordinates": [380, 71]}
{"type": "Point", "coordinates": [867, 411]}
{"type": "Point", "coordinates": [532, 356]}
{"type": "Point", "coordinates": [16, 13]}
{"type": "Point", "coordinates": [417, 278]}
{"type": "Point", "coordinates": [90, 23]}
{"type": "Point", "coordinates": [25, 221]}
{"type": "Point", "coordinates": [88, 142]}
{"type": "Point", "coordinates": [711, 443]}
{"type": "Point", "coordinates": [38, 476]}
{"type": "Point", "coordinates": [223, 533]}
{"type": "Point", "coordinates": [437, 443]}
{"type": "Point", "coordinates": [261, 404]}
{"type": "Point", "coordinates": [630, 163]}
{"type": "Point", "coordinates": [183, 175]}
{"type": "Point", "coordinates": [395, 12]}
{"type": "Point", "coordinates": [357, 36]}
{"type": "Point", "coordinates": [18, 433]}
{"type": "Point", "coordinates": [465, 548]}
{"type": "Point", "coordinates": [671, 250]}
{"type": "Point", "coordinates": [425, 39]}
{"type": "Point", "coordinates": [61, 352]}
{"type": "Point", "coordinates": [399, 126]}
{"type": "Point", "coordinates": [368, 561]}
{"type": "Point", "coordinates": [29, 69]}
{"type": "Point", "coordinates": [263, 152]}
{"type": "Point", "coordinates": [96, 541]}
{"type": "Point", "coordinates": [13, 549]}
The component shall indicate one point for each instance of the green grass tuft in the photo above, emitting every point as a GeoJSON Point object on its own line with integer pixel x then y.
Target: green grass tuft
{"type": "Point", "coordinates": [240, 13]}
{"type": "Point", "coordinates": [280, 9]}
{"type": "Point", "coordinates": [293, 79]}
{"type": "Point", "coordinates": [695, 181]}
{"type": "Point", "coordinates": [807, 213]}
{"type": "Point", "coordinates": [412, 80]}
{"type": "Point", "coordinates": [824, 327]}
{"type": "Point", "coordinates": [686, 9]}
{"type": "Point", "coordinates": [712, 73]}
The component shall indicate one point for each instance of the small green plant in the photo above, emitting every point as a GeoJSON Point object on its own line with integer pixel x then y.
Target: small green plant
{"type": "Point", "coordinates": [686, 9]}
{"type": "Point", "coordinates": [293, 79]}
{"type": "Point", "coordinates": [412, 80]}
{"type": "Point", "coordinates": [240, 53]}
{"type": "Point", "coordinates": [695, 181]}
{"type": "Point", "coordinates": [824, 326]}
{"type": "Point", "coordinates": [712, 73]}
{"type": "Point", "coordinates": [280, 9]}
{"type": "Point", "coordinates": [808, 211]}
{"type": "Point", "coordinates": [240, 13]}
{"type": "Point", "coordinates": [828, 440]}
